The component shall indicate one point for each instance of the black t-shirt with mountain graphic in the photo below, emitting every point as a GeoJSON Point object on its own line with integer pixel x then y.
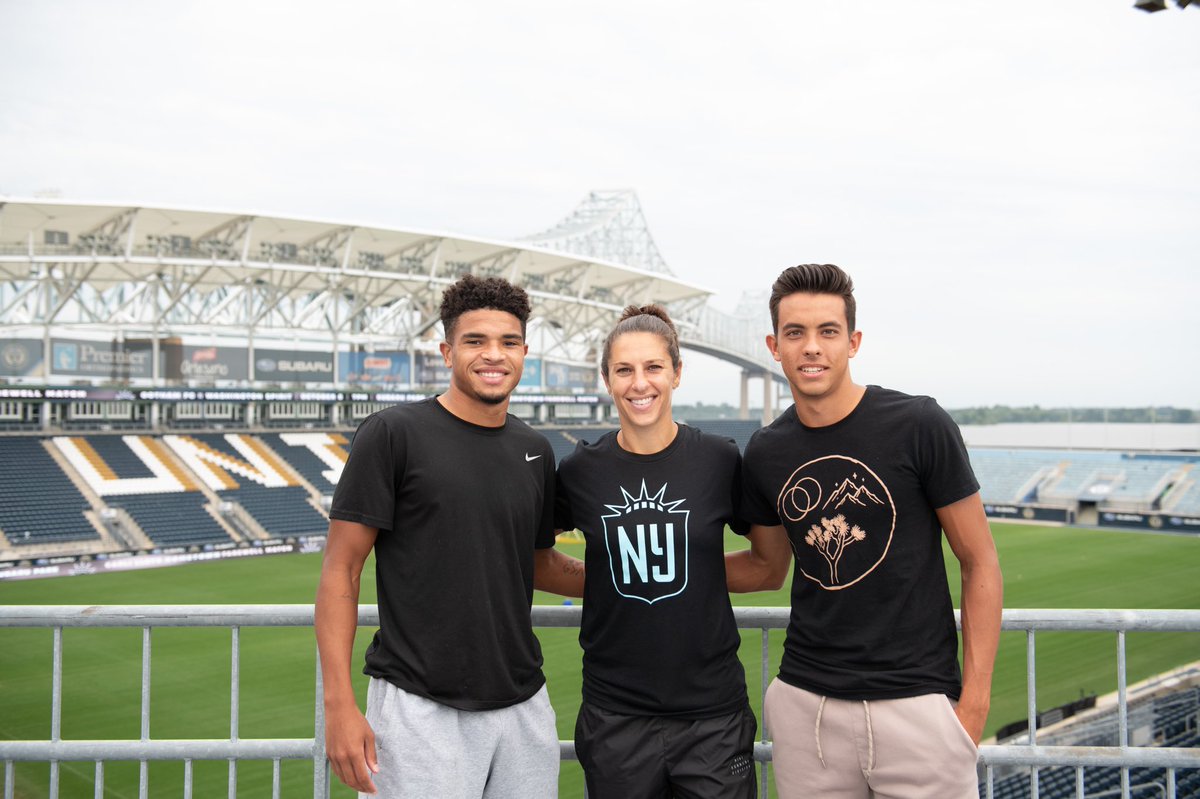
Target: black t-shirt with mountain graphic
{"type": "Point", "coordinates": [871, 611]}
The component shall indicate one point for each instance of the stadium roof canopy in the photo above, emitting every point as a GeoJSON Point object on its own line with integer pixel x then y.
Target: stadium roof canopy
{"type": "Point", "coordinates": [176, 270]}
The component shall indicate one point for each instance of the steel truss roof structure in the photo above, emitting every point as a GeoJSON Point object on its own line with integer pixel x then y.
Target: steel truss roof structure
{"type": "Point", "coordinates": [152, 271]}
{"type": "Point", "coordinates": [610, 225]}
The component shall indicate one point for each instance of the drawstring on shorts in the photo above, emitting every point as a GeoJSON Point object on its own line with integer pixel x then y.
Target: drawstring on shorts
{"type": "Point", "coordinates": [870, 739]}
{"type": "Point", "coordinates": [817, 731]}
{"type": "Point", "coordinates": [870, 736]}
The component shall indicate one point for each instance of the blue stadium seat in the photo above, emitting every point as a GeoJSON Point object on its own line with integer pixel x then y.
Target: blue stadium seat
{"type": "Point", "coordinates": [173, 519]}
{"type": "Point", "coordinates": [39, 504]}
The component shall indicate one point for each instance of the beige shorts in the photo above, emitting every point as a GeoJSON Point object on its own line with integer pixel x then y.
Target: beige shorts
{"type": "Point", "coordinates": [895, 748]}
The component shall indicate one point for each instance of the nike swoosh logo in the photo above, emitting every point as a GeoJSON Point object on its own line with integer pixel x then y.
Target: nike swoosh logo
{"type": "Point", "coordinates": [529, 457]}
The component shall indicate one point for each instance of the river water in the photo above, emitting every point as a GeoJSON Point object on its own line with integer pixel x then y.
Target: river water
{"type": "Point", "coordinates": [1098, 435]}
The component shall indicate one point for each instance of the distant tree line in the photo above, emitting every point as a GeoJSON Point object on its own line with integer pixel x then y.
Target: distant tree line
{"type": "Point", "coordinates": [1000, 414]}
{"type": "Point", "coordinates": [995, 414]}
{"type": "Point", "coordinates": [704, 410]}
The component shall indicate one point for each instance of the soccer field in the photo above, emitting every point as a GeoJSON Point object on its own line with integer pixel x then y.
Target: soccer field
{"type": "Point", "coordinates": [1043, 568]}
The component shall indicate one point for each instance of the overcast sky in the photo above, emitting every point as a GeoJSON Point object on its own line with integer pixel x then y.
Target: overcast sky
{"type": "Point", "coordinates": [1014, 186]}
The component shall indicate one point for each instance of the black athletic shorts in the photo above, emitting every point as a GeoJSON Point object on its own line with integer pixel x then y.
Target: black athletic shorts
{"type": "Point", "coordinates": [655, 757]}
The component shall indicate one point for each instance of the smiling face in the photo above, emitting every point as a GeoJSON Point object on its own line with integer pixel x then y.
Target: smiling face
{"type": "Point", "coordinates": [641, 379]}
{"type": "Point", "coordinates": [486, 355]}
{"type": "Point", "coordinates": [814, 346]}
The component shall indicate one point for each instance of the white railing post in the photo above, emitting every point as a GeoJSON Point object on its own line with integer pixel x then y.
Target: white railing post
{"type": "Point", "coordinates": [144, 767]}
{"type": "Point", "coordinates": [56, 706]}
{"type": "Point", "coordinates": [320, 767]}
{"type": "Point", "coordinates": [235, 685]}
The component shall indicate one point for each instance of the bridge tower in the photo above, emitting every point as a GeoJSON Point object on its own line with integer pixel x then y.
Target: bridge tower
{"type": "Point", "coordinates": [610, 226]}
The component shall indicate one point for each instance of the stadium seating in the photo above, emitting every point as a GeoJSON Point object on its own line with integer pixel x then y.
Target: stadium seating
{"type": "Point", "coordinates": [1005, 474]}
{"type": "Point", "coordinates": [280, 511]}
{"type": "Point", "coordinates": [274, 477]}
{"type": "Point", "coordinates": [39, 505]}
{"type": "Point", "coordinates": [563, 442]}
{"type": "Point", "coordinates": [1188, 503]}
{"type": "Point", "coordinates": [1174, 719]}
{"type": "Point", "coordinates": [312, 468]}
{"type": "Point", "coordinates": [175, 519]}
{"type": "Point", "coordinates": [1083, 472]}
{"type": "Point", "coordinates": [1059, 783]}
{"type": "Point", "coordinates": [1111, 479]}
{"type": "Point", "coordinates": [118, 457]}
{"type": "Point", "coordinates": [739, 430]}
{"type": "Point", "coordinates": [1143, 481]}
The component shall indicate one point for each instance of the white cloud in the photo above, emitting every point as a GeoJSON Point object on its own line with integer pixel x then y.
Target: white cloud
{"type": "Point", "coordinates": [1012, 185]}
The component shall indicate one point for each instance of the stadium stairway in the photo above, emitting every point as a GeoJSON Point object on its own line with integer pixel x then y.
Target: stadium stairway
{"type": "Point", "coordinates": [1188, 501]}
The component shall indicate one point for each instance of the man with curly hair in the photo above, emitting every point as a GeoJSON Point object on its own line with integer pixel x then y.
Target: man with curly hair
{"type": "Point", "coordinates": [456, 499]}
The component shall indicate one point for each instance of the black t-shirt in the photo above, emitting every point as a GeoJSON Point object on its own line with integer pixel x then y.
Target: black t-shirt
{"type": "Point", "coordinates": [460, 509]}
{"type": "Point", "coordinates": [658, 633]}
{"type": "Point", "coordinates": [871, 609]}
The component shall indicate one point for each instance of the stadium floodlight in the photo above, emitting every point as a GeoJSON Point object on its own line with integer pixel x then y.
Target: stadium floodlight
{"type": "Point", "coordinates": [1161, 5]}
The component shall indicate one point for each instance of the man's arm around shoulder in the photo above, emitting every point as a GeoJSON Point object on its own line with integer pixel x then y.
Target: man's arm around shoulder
{"type": "Point", "coordinates": [557, 572]}
{"type": "Point", "coordinates": [762, 567]}
{"type": "Point", "coordinates": [349, 739]}
{"type": "Point", "coordinates": [970, 538]}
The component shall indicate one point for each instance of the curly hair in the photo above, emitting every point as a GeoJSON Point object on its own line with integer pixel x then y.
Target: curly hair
{"type": "Point", "coordinates": [812, 279]}
{"type": "Point", "coordinates": [472, 293]}
{"type": "Point", "coordinates": [643, 319]}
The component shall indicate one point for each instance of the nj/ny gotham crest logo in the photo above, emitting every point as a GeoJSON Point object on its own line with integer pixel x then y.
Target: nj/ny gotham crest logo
{"type": "Point", "coordinates": [14, 356]}
{"type": "Point", "coordinates": [840, 519]}
{"type": "Point", "coordinates": [647, 544]}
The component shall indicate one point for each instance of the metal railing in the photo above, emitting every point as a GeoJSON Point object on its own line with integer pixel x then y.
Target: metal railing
{"type": "Point", "coordinates": [235, 748]}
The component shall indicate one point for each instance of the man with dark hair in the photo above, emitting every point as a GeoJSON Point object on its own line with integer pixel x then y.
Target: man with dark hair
{"type": "Point", "coordinates": [456, 498]}
{"type": "Point", "coordinates": [870, 700]}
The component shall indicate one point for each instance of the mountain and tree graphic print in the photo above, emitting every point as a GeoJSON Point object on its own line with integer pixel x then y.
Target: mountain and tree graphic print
{"type": "Point", "coordinates": [840, 519]}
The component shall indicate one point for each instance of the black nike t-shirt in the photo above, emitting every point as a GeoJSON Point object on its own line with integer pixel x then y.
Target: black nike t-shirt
{"type": "Point", "coordinates": [460, 509]}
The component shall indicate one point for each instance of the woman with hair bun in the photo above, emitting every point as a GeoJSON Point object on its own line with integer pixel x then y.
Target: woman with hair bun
{"type": "Point", "coordinates": [665, 710]}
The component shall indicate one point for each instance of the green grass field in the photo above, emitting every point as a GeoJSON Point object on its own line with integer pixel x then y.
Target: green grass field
{"type": "Point", "coordinates": [1043, 568]}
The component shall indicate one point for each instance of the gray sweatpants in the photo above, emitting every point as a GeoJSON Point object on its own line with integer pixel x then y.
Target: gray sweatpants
{"type": "Point", "coordinates": [912, 748]}
{"type": "Point", "coordinates": [428, 750]}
